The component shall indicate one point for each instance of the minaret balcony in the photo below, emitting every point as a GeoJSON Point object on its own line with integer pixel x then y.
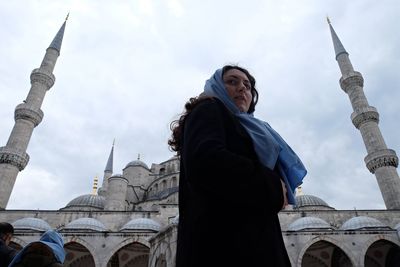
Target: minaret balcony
{"type": "Point", "coordinates": [43, 77]}
{"type": "Point", "coordinates": [381, 158]}
{"type": "Point", "coordinates": [14, 157]}
{"type": "Point", "coordinates": [25, 112]}
{"type": "Point", "coordinates": [351, 80]}
{"type": "Point", "coordinates": [363, 115]}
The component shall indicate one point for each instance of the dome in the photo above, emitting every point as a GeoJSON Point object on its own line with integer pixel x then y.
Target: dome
{"type": "Point", "coordinates": [137, 163]}
{"type": "Point", "coordinates": [362, 222]}
{"type": "Point", "coordinates": [31, 224]}
{"type": "Point", "coordinates": [308, 223]}
{"type": "Point", "coordinates": [310, 201]}
{"type": "Point", "coordinates": [86, 224]}
{"type": "Point", "coordinates": [142, 224]}
{"type": "Point", "coordinates": [88, 200]}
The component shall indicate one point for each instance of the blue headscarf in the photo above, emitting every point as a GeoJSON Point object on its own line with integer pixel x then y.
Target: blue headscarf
{"type": "Point", "coordinates": [269, 146]}
{"type": "Point", "coordinates": [50, 238]}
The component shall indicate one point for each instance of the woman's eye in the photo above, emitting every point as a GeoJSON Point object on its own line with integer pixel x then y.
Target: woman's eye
{"type": "Point", "coordinates": [231, 82]}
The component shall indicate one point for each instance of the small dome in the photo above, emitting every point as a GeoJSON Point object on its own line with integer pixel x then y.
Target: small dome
{"type": "Point", "coordinates": [308, 223]}
{"type": "Point", "coordinates": [362, 222]}
{"type": "Point", "coordinates": [136, 163]}
{"type": "Point", "coordinates": [31, 224]}
{"type": "Point", "coordinates": [86, 224]}
{"type": "Point", "coordinates": [142, 224]}
{"type": "Point", "coordinates": [310, 201]}
{"type": "Point", "coordinates": [88, 200]}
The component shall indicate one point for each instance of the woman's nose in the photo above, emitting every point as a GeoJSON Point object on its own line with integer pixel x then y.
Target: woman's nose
{"type": "Point", "coordinates": [241, 86]}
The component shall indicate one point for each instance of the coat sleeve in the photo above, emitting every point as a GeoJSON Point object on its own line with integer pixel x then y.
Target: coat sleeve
{"type": "Point", "coordinates": [214, 170]}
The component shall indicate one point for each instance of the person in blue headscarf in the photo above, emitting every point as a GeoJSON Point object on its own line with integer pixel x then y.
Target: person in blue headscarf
{"type": "Point", "coordinates": [48, 251]}
{"type": "Point", "coordinates": [236, 174]}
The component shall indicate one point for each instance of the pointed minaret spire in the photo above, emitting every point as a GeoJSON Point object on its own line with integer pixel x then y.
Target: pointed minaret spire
{"type": "Point", "coordinates": [109, 166]}
{"type": "Point", "coordinates": [380, 160]}
{"type": "Point", "coordinates": [108, 171]}
{"type": "Point", "coordinates": [337, 44]}
{"type": "Point", "coordinates": [57, 41]}
{"type": "Point", "coordinates": [345, 64]}
{"type": "Point", "coordinates": [28, 115]}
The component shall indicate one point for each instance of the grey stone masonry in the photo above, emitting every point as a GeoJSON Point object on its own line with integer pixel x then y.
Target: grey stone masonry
{"type": "Point", "coordinates": [28, 115]}
{"type": "Point", "coordinates": [380, 160]}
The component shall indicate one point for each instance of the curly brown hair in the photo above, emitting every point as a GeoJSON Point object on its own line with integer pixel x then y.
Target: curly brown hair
{"type": "Point", "coordinates": [176, 126]}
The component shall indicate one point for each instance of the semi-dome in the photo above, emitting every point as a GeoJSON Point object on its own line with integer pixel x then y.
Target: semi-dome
{"type": "Point", "coordinates": [88, 201]}
{"type": "Point", "coordinates": [310, 202]}
{"type": "Point", "coordinates": [362, 222]}
{"type": "Point", "coordinates": [136, 163]}
{"type": "Point", "coordinates": [86, 224]}
{"type": "Point", "coordinates": [31, 224]}
{"type": "Point", "coordinates": [308, 223]}
{"type": "Point", "coordinates": [142, 224]}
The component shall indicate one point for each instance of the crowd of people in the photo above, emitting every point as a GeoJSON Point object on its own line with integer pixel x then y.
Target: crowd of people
{"type": "Point", "coordinates": [47, 251]}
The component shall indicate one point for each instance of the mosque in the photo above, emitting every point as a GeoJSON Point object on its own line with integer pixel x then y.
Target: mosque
{"type": "Point", "coordinates": [131, 220]}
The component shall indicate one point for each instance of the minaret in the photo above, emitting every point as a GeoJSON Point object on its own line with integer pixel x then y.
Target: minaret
{"type": "Point", "coordinates": [94, 191]}
{"type": "Point", "coordinates": [28, 115]}
{"type": "Point", "coordinates": [380, 160]}
{"type": "Point", "coordinates": [108, 171]}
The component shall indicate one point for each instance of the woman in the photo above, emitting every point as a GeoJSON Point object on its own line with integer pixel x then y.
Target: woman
{"type": "Point", "coordinates": [234, 169]}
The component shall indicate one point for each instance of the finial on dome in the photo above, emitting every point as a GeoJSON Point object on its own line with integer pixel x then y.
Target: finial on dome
{"type": "Point", "coordinates": [95, 186]}
{"type": "Point", "coordinates": [138, 156]}
{"type": "Point", "coordinates": [299, 191]}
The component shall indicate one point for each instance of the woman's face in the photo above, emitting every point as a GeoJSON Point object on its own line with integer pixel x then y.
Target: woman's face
{"type": "Point", "coordinates": [238, 87]}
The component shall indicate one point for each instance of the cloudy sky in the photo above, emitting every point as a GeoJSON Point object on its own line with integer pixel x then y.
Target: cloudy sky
{"type": "Point", "coordinates": [127, 67]}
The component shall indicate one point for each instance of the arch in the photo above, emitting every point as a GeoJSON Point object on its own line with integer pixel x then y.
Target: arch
{"type": "Point", "coordinates": [161, 261]}
{"type": "Point", "coordinates": [157, 251]}
{"type": "Point", "coordinates": [174, 182]}
{"type": "Point", "coordinates": [163, 185]}
{"type": "Point", "coordinates": [133, 254]}
{"type": "Point", "coordinates": [82, 244]}
{"type": "Point", "coordinates": [381, 252]}
{"type": "Point", "coordinates": [333, 247]}
{"type": "Point", "coordinates": [126, 242]}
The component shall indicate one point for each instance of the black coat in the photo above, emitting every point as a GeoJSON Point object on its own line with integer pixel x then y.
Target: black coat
{"type": "Point", "coordinates": [228, 202]}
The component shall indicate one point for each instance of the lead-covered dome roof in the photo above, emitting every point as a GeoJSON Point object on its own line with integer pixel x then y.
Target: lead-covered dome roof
{"type": "Point", "coordinates": [31, 224]}
{"type": "Point", "coordinates": [141, 224]}
{"type": "Point", "coordinates": [305, 223]}
{"type": "Point", "coordinates": [310, 202]}
{"type": "Point", "coordinates": [86, 224]}
{"type": "Point", "coordinates": [136, 163]}
{"type": "Point", "coordinates": [88, 200]}
{"type": "Point", "coordinates": [362, 223]}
